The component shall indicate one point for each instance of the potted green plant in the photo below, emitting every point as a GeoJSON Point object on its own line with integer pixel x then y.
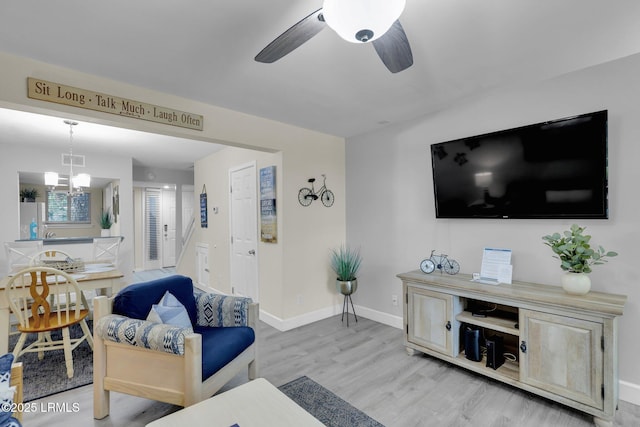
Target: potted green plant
{"type": "Point", "coordinates": [29, 194]}
{"type": "Point", "coordinates": [576, 256]}
{"type": "Point", "coordinates": [345, 262]}
{"type": "Point", "coordinates": [106, 221]}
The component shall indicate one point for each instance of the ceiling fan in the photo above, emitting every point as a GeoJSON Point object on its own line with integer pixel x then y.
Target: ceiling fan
{"type": "Point", "coordinates": [357, 21]}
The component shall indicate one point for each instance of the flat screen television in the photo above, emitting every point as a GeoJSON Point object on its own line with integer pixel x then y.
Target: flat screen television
{"type": "Point", "coordinates": [554, 169]}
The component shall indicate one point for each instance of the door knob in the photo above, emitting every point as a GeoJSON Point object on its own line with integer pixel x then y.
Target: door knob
{"type": "Point", "coordinates": [252, 252]}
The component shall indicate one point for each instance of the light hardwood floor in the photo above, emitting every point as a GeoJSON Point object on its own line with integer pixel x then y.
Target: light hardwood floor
{"type": "Point", "coordinates": [367, 366]}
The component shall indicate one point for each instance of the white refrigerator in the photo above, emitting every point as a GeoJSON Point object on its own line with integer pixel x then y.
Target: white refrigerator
{"type": "Point", "coordinates": [29, 212]}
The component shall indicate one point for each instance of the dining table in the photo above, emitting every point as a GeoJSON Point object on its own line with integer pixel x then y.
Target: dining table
{"type": "Point", "coordinates": [104, 279]}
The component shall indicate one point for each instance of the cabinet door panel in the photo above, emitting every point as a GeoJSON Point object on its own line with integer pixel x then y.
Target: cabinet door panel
{"type": "Point", "coordinates": [563, 355]}
{"type": "Point", "coordinates": [430, 313]}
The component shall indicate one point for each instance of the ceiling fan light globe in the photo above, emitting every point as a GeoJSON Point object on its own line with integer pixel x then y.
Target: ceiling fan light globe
{"type": "Point", "coordinates": [361, 21]}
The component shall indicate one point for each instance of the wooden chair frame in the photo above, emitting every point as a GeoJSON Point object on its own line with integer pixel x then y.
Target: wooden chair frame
{"type": "Point", "coordinates": [156, 375]}
{"type": "Point", "coordinates": [16, 381]}
{"type": "Point", "coordinates": [41, 258]}
{"type": "Point", "coordinates": [53, 255]}
{"type": "Point", "coordinates": [42, 300]}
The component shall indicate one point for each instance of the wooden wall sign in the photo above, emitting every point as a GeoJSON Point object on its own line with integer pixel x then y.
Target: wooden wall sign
{"type": "Point", "coordinates": [68, 95]}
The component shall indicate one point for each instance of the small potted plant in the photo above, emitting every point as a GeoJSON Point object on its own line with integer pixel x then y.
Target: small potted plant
{"type": "Point", "coordinates": [576, 256]}
{"type": "Point", "coordinates": [345, 262]}
{"type": "Point", "coordinates": [106, 221]}
{"type": "Point", "coordinates": [29, 194]}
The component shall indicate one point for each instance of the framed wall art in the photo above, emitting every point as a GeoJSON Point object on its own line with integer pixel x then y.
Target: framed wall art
{"type": "Point", "coordinates": [204, 223]}
{"type": "Point", "coordinates": [268, 213]}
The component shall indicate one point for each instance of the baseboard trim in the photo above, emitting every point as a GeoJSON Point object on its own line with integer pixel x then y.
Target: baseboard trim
{"type": "Point", "coordinates": [297, 321]}
{"type": "Point", "coordinates": [314, 316]}
{"type": "Point", "coordinates": [629, 392]}
{"type": "Point", "coordinates": [379, 316]}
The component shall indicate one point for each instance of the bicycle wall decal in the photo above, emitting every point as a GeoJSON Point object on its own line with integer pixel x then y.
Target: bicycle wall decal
{"type": "Point", "coordinates": [307, 195]}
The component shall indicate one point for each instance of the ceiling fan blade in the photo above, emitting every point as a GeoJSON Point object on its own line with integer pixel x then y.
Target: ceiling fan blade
{"type": "Point", "coordinates": [293, 38]}
{"type": "Point", "coordinates": [393, 48]}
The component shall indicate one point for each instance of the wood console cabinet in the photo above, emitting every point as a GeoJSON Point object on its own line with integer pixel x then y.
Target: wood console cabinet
{"type": "Point", "coordinates": [559, 346]}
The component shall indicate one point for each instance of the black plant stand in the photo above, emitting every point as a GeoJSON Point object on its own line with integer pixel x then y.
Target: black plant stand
{"type": "Point", "coordinates": [345, 307]}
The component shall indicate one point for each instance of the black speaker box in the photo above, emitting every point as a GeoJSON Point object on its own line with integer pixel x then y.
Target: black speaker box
{"type": "Point", "coordinates": [495, 351]}
{"type": "Point", "coordinates": [472, 343]}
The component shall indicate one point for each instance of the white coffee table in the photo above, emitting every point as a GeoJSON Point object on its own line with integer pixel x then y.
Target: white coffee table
{"type": "Point", "coordinates": [254, 404]}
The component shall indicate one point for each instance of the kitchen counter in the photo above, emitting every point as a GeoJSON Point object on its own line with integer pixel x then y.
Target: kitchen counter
{"type": "Point", "coordinates": [67, 240]}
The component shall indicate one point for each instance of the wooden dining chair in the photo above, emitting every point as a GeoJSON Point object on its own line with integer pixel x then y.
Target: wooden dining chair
{"type": "Point", "coordinates": [49, 256]}
{"type": "Point", "coordinates": [56, 258]}
{"type": "Point", "coordinates": [20, 255]}
{"type": "Point", "coordinates": [42, 300]}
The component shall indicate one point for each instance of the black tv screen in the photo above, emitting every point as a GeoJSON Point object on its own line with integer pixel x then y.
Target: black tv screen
{"type": "Point", "coordinates": [554, 169]}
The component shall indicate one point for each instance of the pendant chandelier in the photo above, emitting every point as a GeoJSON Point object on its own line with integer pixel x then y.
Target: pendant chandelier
{"type": "Point", "coordinates": [76, 183]}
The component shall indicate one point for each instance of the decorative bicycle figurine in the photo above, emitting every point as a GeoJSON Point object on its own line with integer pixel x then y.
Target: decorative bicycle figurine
{"type": "Point", "coordinates": [441, 262]}
{"type": "Point", "coordinates": [307, 195]}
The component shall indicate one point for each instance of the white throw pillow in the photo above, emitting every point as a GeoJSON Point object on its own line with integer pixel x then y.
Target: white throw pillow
{"type": "Point", "coordinates": [169, 311]}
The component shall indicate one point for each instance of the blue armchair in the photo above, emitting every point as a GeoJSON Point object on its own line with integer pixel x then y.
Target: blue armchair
{"type": "Point", "coordinates": [181, 365]}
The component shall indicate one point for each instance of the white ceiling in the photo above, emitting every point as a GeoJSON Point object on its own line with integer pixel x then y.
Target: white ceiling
{"type": "Point", "coordinates": [146, 149]}
{"type": "Point", "coordinates": [204, 50]}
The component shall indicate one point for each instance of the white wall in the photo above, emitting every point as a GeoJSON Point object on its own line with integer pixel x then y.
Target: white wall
{"type": "Point", "coordinates": [15, 158]}
{"type": "Point", "coordinates": [213, 172]}
{"type": "Point", "coordinates": [295, 284]}
{"type": "Point", "coordinates": [390, 208]}
{"type": "Point", "coordinates": [306, 233]}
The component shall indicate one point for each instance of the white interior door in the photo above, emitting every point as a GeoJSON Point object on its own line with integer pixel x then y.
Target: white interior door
{"type": "Point", "coordinates": [244, 231]}
{"type": "Point", "coordinates": [202, 264]}
{"type": "Point", "coordinates": [168, 227]}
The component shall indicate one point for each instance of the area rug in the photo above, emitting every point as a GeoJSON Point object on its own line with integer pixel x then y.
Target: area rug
{"type": "Point", "coordinates": [328, 408]}
{"type": "Point", "coordinates": [48, 376]}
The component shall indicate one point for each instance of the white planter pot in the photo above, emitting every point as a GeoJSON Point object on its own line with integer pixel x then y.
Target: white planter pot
{"type": "Point", "coordinates": [105, 232]}
{"type": "Point", "coordinates": [576, 283]}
